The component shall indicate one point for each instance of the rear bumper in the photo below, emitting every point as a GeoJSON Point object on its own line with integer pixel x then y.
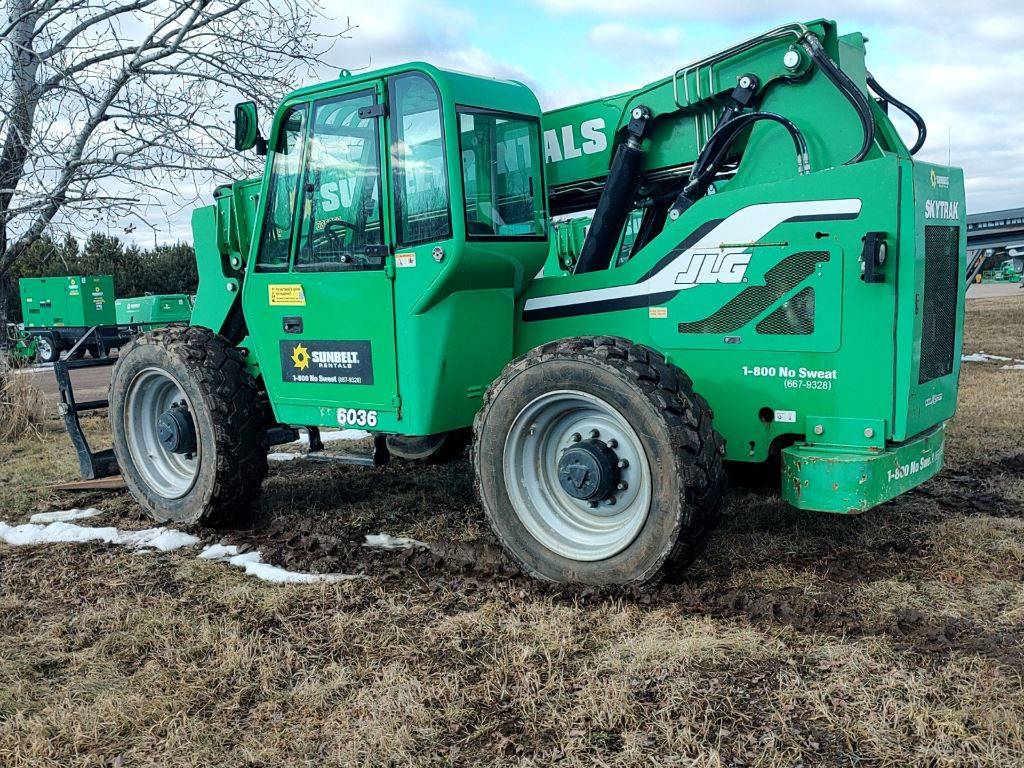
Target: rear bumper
{"type": "Point", "coordinates": [844, 480]}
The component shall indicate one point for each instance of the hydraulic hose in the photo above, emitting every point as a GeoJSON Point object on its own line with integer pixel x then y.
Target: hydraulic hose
{"type": "Point", "coordinates": [721, 141]}
{"type": "Point", "coordinates": [732, 124]}
{"type": "Point", "coordinates": [717, 149]}
{"type": "Point", "coordinates": [849, 89]}
{"type": "Point", "coordinates": [916, 119]}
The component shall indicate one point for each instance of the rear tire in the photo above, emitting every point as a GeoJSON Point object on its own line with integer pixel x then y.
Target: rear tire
{"type": "Point", "coordinates": [197, 371]}
{"type": "Point", "coordinates": [614, 391]}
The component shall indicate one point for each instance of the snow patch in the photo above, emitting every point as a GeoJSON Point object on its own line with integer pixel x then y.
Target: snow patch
{"type": "Point", "coordinates": [335, 435]}
{"type": "Point", "coordinates": [387, 541]}
{"type": "Point", "coordinates": [253, 564]}
{"type": "Point", "coordinates": [218, 552]}
{"type": "Point", "coordinates": [332, 436]}
{"type": "Point", "coordinates": [155, 539]}
{"type": "Point", "coordinates": [29, 534]}
{"type": "Point", "coordinates": [63, 516]}
{"type": "Point", "coordinates": [1016, 367]}
{"type": "Point", "coordinates": [280, 456]}
{"type": "Point", "coordinates": [984, 357]}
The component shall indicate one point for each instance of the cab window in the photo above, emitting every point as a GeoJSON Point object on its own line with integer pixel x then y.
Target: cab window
{"type": "Point", "coordinates": [340, 223]}
{"type": "Point", "coordinates": [286, 166]}
{"type": "Point", "coordinates": [501, 165]}
{"type": "Point", "coordinates": [417, 161]}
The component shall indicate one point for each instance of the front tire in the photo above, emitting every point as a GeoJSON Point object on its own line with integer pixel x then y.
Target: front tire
{"type": "Point", "coordinates": [189, 427]}
{"type": "Point", "coordinates": [596, 463]}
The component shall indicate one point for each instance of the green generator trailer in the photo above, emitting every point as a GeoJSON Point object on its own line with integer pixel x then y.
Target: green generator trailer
{"type": "Point", "coordinates": [153, 311]}
{"type": "Point", "coordinates": [70, 314]}
{"type": "Point", "coordinates": [793, 292]}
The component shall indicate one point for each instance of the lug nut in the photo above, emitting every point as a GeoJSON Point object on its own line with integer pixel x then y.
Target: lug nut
{"type": "Point", "coordinates": [576, 437]}
{"type": "Point", "coordinates": [592, 504]}
{"type": "Point", "coordinates": [623, 463]}
{"type": "Point", "coordinates": [622, 486]}
{"type": "Point", "coordinates": [613, 443]}
{"type": "Point", "coordinates": [594, 434]}
{"type": "Point", "coordinates": [610, 501]}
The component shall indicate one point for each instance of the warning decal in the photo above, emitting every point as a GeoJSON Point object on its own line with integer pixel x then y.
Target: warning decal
{"type": "Point", "coordinates": [326, 362]}
{"type": "Point", "coordinates": [290, 295]}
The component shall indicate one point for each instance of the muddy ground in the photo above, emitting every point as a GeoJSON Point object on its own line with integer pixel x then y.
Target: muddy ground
{"type": "Point", "coordinates": [894, 638]}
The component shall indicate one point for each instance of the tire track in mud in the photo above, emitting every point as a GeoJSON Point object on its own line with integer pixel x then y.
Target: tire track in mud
{"type": "Point", "coordinates": [479, 571]}
{"type": "Point", "coordinates": [963, 489]}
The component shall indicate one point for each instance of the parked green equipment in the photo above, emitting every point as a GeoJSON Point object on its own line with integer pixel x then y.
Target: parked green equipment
{"type": "Point", "coordinates": [793, 290]}
{"type": "Point", "coordinates": [567, 238]}
{"type": "Point", "coordinates": [21, 348]}
{"type": "Point", "coordinates": [65, 314]}
{"type": "Point", "coordinates": [154, 311]}
{"type": "Point", "coordinates": [1010, 271]}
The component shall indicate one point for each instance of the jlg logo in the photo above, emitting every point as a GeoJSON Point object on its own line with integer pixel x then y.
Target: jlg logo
{"type": "Point", "coordinates": [592, 141]}
{"type": "Point", "coordinates": [714, 267]}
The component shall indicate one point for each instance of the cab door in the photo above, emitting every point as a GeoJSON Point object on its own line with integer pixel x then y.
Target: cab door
{"type": "Point", "coordinates": [318, 298]}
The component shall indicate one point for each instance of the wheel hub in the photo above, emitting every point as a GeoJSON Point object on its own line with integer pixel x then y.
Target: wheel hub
{"type": "Point", "coordinates": [176, 430]}
{"type": "Point", "coordinates": [577, 475]}
{"type": "Point", "coordinates": [589, 470]}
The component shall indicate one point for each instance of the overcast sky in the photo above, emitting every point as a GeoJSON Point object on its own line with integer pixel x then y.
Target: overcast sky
{"type": "Point", "coordinates": [956, 62]}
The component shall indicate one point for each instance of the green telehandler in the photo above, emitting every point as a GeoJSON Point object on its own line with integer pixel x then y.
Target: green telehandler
{"type": "Point", "coordinates": [792, 292]}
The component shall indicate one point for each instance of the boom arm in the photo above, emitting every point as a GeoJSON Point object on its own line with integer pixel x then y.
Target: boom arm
{"type": "Point", "coordinates": [802, 77]}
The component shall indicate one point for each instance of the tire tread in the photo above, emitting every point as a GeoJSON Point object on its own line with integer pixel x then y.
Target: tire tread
{"type": "Point", "coordinates": [696, 446]}
{"type": "Point", "coordinates": [238, 412]}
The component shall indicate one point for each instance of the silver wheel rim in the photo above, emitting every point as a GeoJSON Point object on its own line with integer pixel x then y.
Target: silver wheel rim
{"type": "Point", "coordinates": [568, 526]}
{"type": "Point", "coordinates": [44, 348]}
{"type": "Point", "coordinates": [151, 393]}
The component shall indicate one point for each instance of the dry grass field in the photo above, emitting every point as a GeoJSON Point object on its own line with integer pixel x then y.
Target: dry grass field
{"type": "Point", "coordinates": [891, 639]}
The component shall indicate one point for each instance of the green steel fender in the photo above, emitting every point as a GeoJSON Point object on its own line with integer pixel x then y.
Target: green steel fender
{"type": "Point", "coordinates": [219, 282]}
{"type": "Point", "coordinates": [827, 479]}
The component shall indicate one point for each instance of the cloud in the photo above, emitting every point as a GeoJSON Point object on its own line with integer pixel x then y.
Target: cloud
{"type": "Point", "coordinates": [780, 11]}
{"type": "Point", "coordinates": [953, 62]}
{"type": "Point", "coordinates": [637, 39]}
{"type": "Point", "coordinates": [389, 33]}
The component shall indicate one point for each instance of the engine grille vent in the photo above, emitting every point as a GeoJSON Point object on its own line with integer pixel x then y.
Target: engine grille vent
{"type": "Point", "coordinates": [941, 289]}
{"type": "Point", "coordinates": [794, 318]}
{"type": "Point", "coordinates": [752, 301]}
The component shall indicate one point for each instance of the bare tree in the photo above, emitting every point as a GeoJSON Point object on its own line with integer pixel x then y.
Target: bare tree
{"type": "Point", "coordinates": [111, 103]}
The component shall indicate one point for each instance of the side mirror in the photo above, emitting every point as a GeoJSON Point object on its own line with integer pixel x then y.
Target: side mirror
{"type": "Point", "coordinates": [247, 129]}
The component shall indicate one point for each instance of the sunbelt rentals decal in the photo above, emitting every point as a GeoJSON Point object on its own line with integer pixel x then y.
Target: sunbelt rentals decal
{"type": "Point", "coordinates": [572, 141]}
{"type": "Point", "coordinates": [326, 362]}
{"type": "Point", "coordinates": [941, 209]}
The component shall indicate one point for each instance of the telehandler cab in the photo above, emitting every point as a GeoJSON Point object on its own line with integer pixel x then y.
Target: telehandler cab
{"type": "Point", "coordinates": [792, 290]}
